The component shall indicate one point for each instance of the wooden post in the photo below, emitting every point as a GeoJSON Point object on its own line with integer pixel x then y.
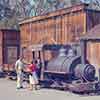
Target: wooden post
{"type": "Point", "coordinates": [43, 65]}
{"type": "Point", "coordinates": [84, 23]}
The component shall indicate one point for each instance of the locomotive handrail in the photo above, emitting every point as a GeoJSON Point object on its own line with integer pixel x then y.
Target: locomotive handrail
{"type": "Point", "coordinates": [56, 72]}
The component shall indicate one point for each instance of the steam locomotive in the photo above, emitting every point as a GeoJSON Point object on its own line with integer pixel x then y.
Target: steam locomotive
{"type": "Point", "coordinates": [70, 71]}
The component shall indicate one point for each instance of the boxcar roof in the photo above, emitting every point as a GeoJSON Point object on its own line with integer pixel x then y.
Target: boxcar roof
{"type": "Point", "coordinates": [74, 8]}
{"type": "Point", "coordinates": [14, 30]}
{"type": "Point", "coordinates": [93, 34]}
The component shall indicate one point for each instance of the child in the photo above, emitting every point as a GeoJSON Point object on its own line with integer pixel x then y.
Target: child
{"type": "Point", "coordinates": [33, 79]}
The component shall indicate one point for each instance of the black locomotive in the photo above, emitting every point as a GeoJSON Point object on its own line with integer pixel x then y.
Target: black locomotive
{"type": "Point", "coordinates": [68, 70]}
{"type": "Point", "coordinates": [70, 65]}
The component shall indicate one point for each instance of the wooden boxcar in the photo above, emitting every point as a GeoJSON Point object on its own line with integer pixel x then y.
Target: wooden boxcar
{"type": "Point", "coordinates": [9, 47]}
{"type": "Point", "coordinates": [59, 27]}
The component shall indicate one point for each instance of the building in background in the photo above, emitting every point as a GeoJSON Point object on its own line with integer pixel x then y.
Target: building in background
{"type": "Point", "coordinates": [60, 27]}
{"type": "Point", "coordinates": [9, 46]}
{"type": "Point", "coordinates": [92, 46]}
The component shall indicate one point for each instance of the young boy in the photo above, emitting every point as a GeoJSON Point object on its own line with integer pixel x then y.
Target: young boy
{"type": "Point", "coordinates": [33, 79]}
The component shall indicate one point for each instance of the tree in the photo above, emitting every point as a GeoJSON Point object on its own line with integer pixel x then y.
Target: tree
{"type": "Point", "coordinates": [5, 10]}
{"type": "Point", "coordinates": [96, 4]}
{"type": "Point", "coordinates": [6, 14]}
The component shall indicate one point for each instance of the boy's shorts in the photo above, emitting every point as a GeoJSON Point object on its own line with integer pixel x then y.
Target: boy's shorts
{"type": "Point", "coordinates": [33, 79]}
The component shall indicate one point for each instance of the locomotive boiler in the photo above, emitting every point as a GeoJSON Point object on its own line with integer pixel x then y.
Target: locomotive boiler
{"type": "Point", "coordinates": [67, 67]}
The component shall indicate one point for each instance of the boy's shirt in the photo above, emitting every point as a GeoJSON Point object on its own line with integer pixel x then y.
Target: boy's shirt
{"type": "Point", "coordinates": [32, 67]}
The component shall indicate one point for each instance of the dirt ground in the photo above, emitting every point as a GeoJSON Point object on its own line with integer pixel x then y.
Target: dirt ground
{"type": "Point", "coordinates": [8, 92]}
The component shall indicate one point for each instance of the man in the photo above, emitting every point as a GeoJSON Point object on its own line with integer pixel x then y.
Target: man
{"type": "Point", "coordinates": [19, 65]}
